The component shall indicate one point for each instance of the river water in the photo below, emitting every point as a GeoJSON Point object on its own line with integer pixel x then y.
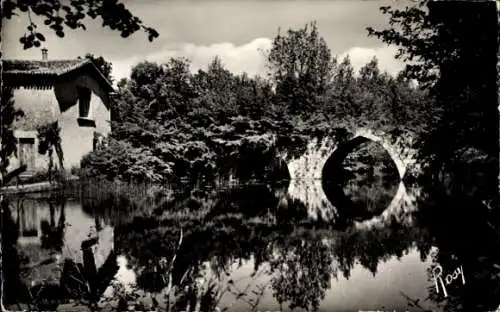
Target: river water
{"type": "Point", "coordinates": [264, 247]}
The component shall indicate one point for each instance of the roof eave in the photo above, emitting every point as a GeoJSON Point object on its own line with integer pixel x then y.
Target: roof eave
{"type": "Point", "coordinates": [105, 83]}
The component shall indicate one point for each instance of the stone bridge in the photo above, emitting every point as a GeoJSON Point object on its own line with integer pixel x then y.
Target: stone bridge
{"type": "Point", "coordinates": [306, 171]}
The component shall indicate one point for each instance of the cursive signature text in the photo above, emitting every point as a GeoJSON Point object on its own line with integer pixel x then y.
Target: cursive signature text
{"type": "Point", "coordinates": [448, 279]}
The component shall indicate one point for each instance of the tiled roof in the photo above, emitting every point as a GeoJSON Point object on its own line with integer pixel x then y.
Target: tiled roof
{"type": "Point", "coordinates": [52, 67]}
{"type": "Point", "coordinates": [44, 73]}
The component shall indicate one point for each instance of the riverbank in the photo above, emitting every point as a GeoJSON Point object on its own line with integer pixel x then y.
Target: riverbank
{"type": "Point", "coordinates": [37, 187]}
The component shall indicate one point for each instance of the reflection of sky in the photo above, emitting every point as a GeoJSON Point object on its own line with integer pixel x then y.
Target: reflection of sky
{"type": "Point", "coordinates": [361, 291]}
{"type": "Point", "coordinates": [366, 292]}
{"type": "Point", "coordinates": [125, 276]}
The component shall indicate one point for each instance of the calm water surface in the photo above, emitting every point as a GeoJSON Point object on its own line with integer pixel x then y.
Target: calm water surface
{"type": "Point", "coordinates": [259, 247]}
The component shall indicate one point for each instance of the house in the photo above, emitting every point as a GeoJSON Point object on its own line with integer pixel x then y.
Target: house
{"type": "Point", "coordinates": [73, 93]}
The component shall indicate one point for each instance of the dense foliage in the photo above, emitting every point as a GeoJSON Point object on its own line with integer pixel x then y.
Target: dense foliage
{"type": "Point", "coordinates": [175, 124]}
{"type": "Point", "coordinates": [458, 68]}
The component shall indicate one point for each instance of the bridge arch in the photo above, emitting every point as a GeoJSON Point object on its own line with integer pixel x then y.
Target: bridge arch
{"type": "Point", "coordinates": [387, 145]}
{"type": "Point", "coordinates": [361, 137]}
{"type": "Point", "coordinates": [307, 170]}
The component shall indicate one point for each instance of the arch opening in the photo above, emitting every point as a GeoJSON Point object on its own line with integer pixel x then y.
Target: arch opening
{"type": "Point", "coordinates": [348, 147]}
{"type": "Point", "coordinates": [366, 184]}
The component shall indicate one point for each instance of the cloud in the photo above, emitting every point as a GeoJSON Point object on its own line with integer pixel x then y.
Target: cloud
{"type": "Point", "coordinates": [360, 56]}
{"type": "Point", "coordinates": [248, 57]}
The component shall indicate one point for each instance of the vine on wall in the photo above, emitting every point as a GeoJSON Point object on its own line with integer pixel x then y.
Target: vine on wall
{"type": "Point", "coordinates": [49, 140]}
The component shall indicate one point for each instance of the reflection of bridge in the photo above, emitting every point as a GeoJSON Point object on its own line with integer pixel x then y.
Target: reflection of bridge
{"type": "Point", "coordinates": [308, 170]}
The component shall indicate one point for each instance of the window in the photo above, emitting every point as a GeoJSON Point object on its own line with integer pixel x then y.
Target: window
{"type": "Point", "coordinates": [84, 101]}
{"type": "Point", "coordinates": [84, 95]}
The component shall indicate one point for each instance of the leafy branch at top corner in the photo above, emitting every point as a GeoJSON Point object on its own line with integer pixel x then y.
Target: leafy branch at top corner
{"type": "Point", "coordinates": [58, 17]}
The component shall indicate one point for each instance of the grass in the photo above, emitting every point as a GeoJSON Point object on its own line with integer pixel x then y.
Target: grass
{"type": "Point", "coordinates": [113, 198]}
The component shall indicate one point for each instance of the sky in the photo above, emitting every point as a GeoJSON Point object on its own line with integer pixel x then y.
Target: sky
{"type": "Point", "coordinates": [238, 31]}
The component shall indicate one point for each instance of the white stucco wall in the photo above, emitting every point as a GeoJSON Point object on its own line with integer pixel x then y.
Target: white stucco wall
{"type": "Point", "coordinates": [61, 103]}
{"type": "Point", "coordinates": [78, 141]}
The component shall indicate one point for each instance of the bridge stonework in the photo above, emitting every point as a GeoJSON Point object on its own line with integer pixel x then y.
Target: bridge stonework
{"type": "Point", "coordinates": [306, 173]}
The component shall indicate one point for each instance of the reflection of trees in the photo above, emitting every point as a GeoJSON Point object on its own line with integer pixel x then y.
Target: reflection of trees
{"type": "Point", "coordinates": [52, 232]}
{"type": "Point", "coordinates": [372, 246]}
{"type": "Point", "coordinates": [292, 211]}
{"type": "Point", "coordinates": [302, 259]}
{"type": "Point", "coordinates": [226, 227]}
{"type": "Point", "coordinates": [12, 286]}
{"type": "Point", "coordinates": [303, 268]}
{"type": "Point", "coordinates": [306, 260]}
{"type": "Point", "coordinates": [250, 201]}
{"type": "Point", "coordinates": [464, 232]}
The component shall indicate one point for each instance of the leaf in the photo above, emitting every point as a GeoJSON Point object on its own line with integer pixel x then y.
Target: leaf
{"type": "Point", "coordinates": [154, 33]}
{"type": "Point", "coordinates": [40, 37]}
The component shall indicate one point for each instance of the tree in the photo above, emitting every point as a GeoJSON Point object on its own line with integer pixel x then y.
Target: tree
{"type": "Point", "coordinates": [342, 91]}
{"type": "Point", "coordinates": [217, 87]}
{"type": "Point", "coordinates": [454, 57]}
{"type": "Point", "coordinates": [253, 97]}
{"type": "Point", "coordinates": [300, 65]}
{"type": "Point", "coordinates": [50, 140]}
{"type": "Point", "coordinates": [105, 67]}
{"type": "Point", "coordinates": [415, 34]}
{"type": "Point", "coordinates": [370, 85]}
{"type": "Point", "coordinates": [58, 16]}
